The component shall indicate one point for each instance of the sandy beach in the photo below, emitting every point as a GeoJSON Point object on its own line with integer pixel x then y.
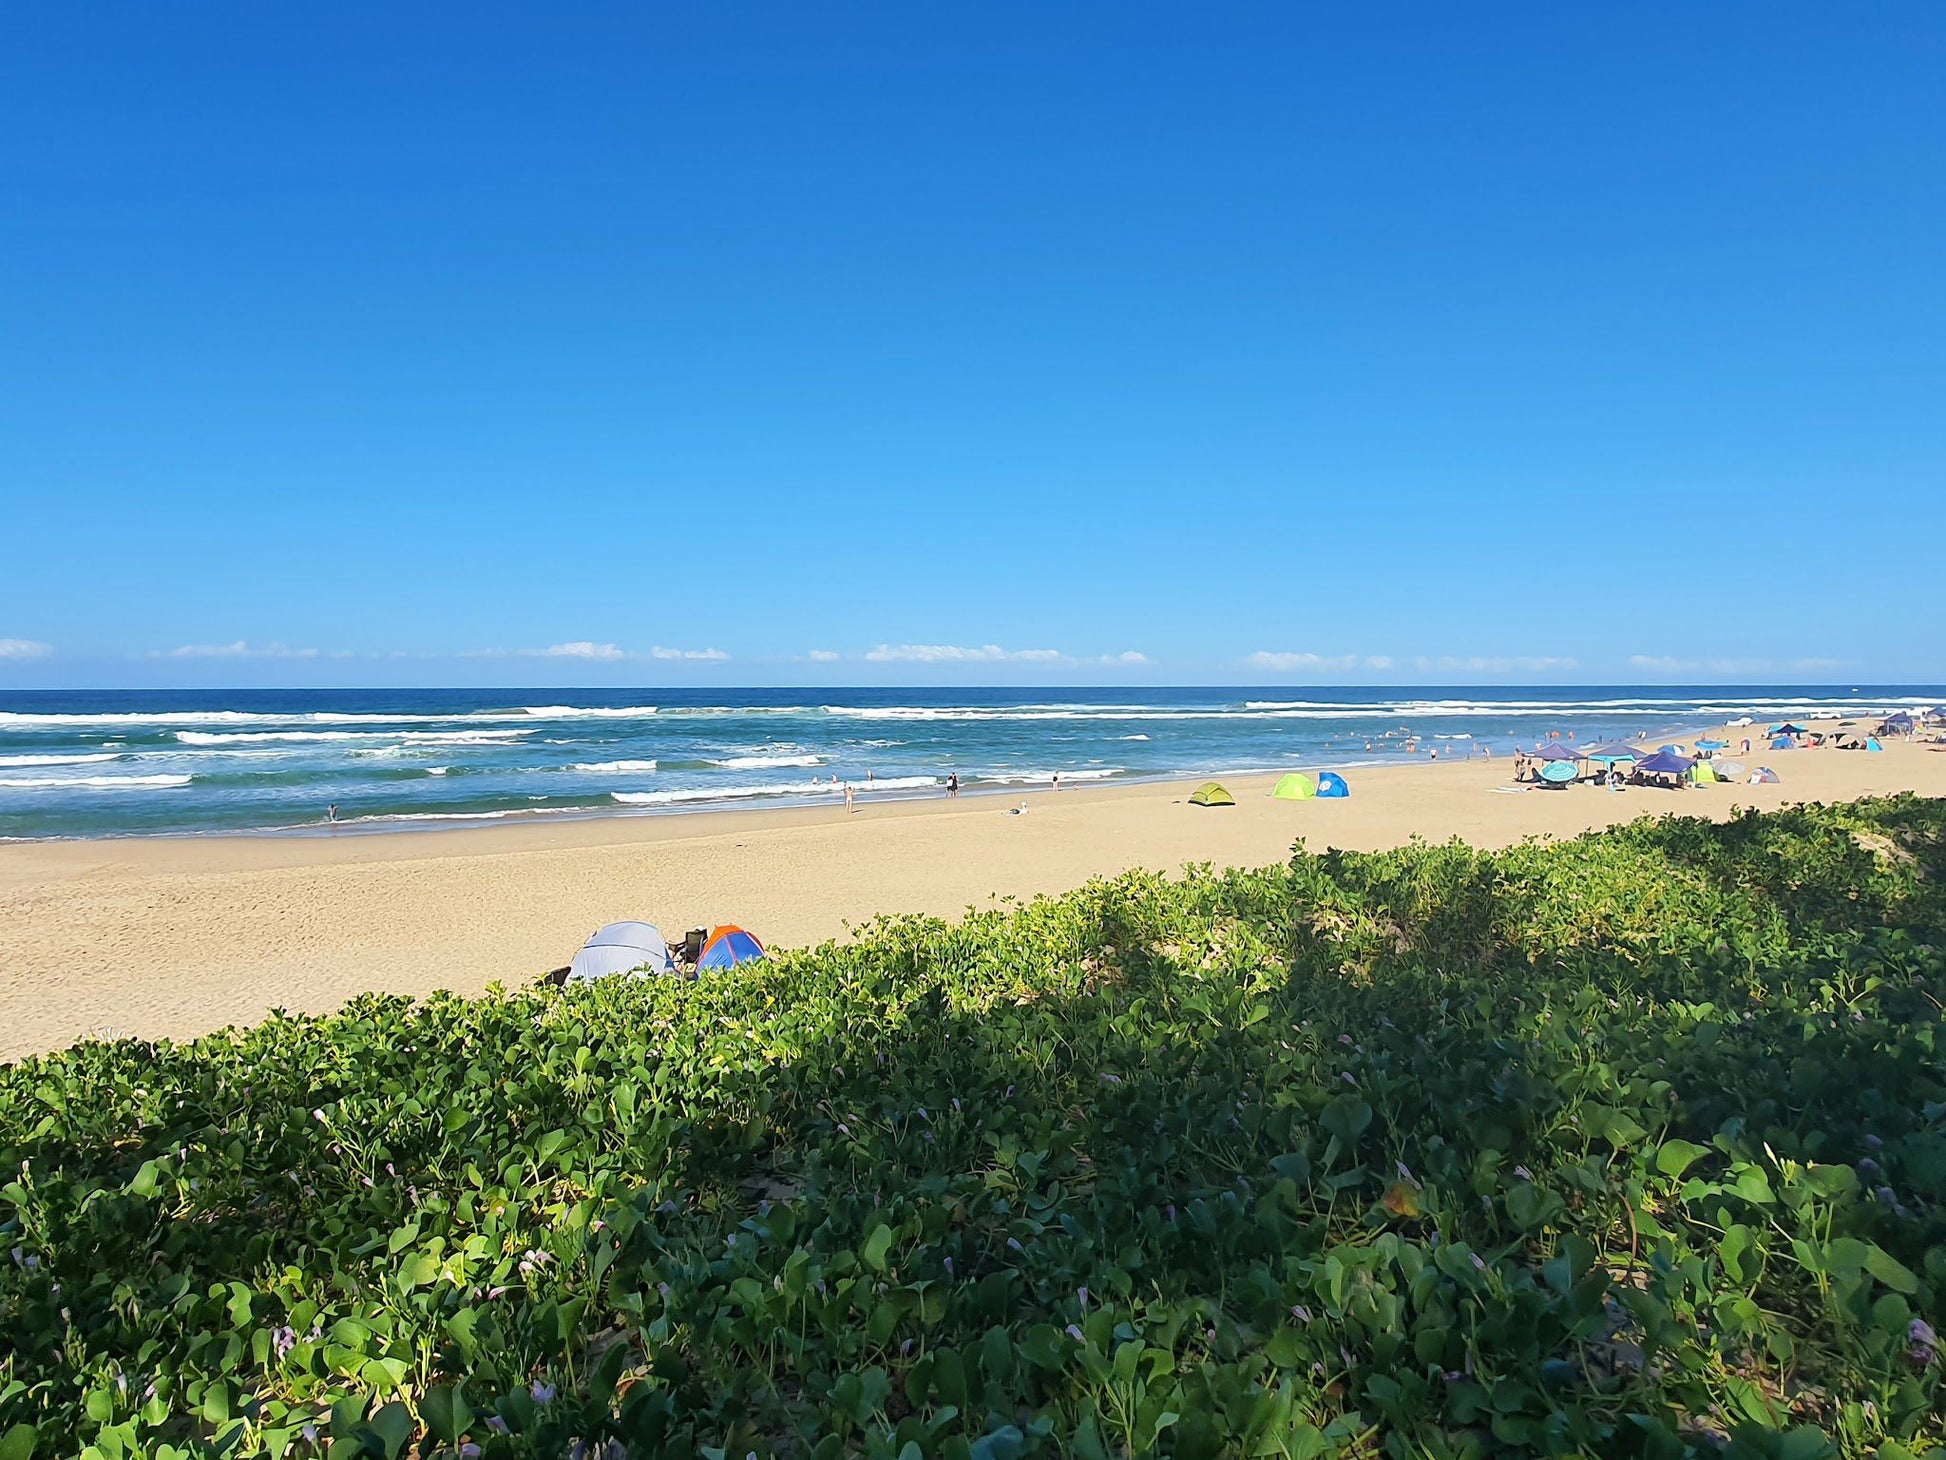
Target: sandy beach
{"type": "Point", "coordinates": [175, 937]}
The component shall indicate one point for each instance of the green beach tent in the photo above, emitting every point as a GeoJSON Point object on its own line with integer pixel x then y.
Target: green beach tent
{"type": "Point", "coordinates": [1703, 774]}
{"type": "Point", "coordinates": [1211, 794]}
{"type": "Point", "coordinates": [1294, 787]}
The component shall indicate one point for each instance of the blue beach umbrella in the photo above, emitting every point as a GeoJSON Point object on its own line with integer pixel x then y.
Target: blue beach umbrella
{"type": "Point", "coordinates": [1712, 745]}
{"type": "Point", "coordinates": [1560, 772]}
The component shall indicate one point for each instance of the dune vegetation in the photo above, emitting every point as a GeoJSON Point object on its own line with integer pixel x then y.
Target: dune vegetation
{"type": "Point", "coordinates": [1630, 1145]}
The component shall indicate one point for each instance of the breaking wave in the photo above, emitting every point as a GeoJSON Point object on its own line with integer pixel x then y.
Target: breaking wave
{"type": "Point", "coordinates": [95, 783]}
{"type": "Point", "coordinates": [783, 788]}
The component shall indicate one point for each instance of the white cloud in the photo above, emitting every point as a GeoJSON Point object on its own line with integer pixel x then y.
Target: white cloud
{"type": "Point", "coordinates": [1127, 656]}
{"type": "Point", "coordinates": [1661, 663]}
{"type": "Point", "coordinates": [822, 656]}
{"type": "Point", "coordinates": [1816, 663]}
{"type": "Point", "coordinates": [24, 649]}
{"type": "Point", "coordinates": [1283, 662]}
{"type": "Point", "coordinates": [593, 652]}
{"type": "Point", "coordinates": [957, 654]}
{"type": "Point", "coordinates": [241, 649]}
{"type": "Point", "coordinates": [582, 649]}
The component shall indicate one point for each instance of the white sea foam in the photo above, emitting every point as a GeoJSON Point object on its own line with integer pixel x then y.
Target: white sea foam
{"type": "Point", "coordinates": [612, 767]}
{"type": "Point", "coordinates": [1044, 778]}
{"type": "Point", "coordinates": [761, 762]}
{"type": "Point", "coordinates": [14, 761]}
{"type": "Point", "coordinates": [437, 770]}
{"type": "Point", "coordinates": [329, 737]}
{"type": "Point", "coordinates": [1135, 737]}
{"type": "Point", "coordinates": [578, 712]}
{"type": "Point", "coordinates": [446, 815]}
{"type": "Point", "coordinates": [94, 783]}
{"type": "Point", "coordinates": [782, 788]}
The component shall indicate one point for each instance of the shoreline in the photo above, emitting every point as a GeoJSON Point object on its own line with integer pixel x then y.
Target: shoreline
{"type": "Point", "coordinates": [386, 825]}
{"type": "Point", "coordinates": [177, 936]}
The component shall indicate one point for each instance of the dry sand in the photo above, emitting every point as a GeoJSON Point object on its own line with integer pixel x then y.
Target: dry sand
{"type": "Point", "coordinates": [179, 936]}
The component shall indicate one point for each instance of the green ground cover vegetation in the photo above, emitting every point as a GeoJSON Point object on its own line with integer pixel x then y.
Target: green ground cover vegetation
{"type": "Point", "coordinates": [1630, 1145]}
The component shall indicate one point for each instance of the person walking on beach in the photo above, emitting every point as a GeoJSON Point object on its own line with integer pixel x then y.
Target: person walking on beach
{"type": "Point", "coordinates": [331, 812]}
{"type": "Point", "coordinates": [952, 784]}
{"type": "Point", "coordinates": [850, 807]}
{"type": "Point", "coordinates": [1057, 780]}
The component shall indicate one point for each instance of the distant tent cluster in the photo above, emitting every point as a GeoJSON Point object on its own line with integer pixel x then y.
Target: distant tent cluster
{"type": "Point", "coordinates": [1329, 786]}
{"type": "Point", "coordinates": [1559, 764]}
{"type": "Point", "coordinates": [640, 951]}
{"type": "Point", "coordinates": [1297, 786]}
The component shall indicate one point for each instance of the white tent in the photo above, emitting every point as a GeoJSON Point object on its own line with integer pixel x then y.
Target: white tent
{"type": "Point", "coordinates": [633, 948]}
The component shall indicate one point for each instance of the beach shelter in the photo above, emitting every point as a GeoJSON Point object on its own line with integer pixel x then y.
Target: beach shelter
{"type": "Point", "coordinates": [1781, 742]}
{"type": "Point", "coordinates": [1559, 772]}
{"type": "Point", "coordinates": [728, 946]}
{"type": "Point", "coordinates": [1787, 728]}
{"type": "Point", "coordinates": [1332, 785]}
{"type": "Point", "coordinates": [1294, 787]}
{"type": "Point", "coordinates": [1665, 763]}
{"type": "Point", "coordinates": [1211, 794]}
{"type": "Point", "coordinates": [1672, 749]}
{"type": "Point", "coordinates": [1712, 745]}
{"type": "Point", "coordinates": [1613, 752]}
{"type": "Point", "coordinates": [1554, 750]}
{"type": "Point", "coordinates": [1871, 743]}
{"type": "Point", "coordinates": [1725, 769]}
{"type": "Point", "coordinates": [1703, 774]}
{"type": "Point", "coordinates": [633, 948]}
{"type": "Point", "coordinates": [1763, 775]}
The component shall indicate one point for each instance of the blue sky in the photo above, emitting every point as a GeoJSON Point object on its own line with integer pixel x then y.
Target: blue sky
{"type": "Point", "coordinates": [478, 344]}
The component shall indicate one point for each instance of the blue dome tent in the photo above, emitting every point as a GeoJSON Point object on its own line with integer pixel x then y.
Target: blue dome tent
{"type": "Point", "coordinates": [728, 946]}
{"type": "Point", "coordinates": [1331, 786]}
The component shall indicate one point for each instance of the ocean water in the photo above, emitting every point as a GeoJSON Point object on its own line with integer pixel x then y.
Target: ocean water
{"type": "Point", "coordinates": [120, 763]}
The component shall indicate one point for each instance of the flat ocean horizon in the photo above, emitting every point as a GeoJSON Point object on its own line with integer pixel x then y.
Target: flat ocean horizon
{"type": "Point", "coordinates": [102, 763]}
